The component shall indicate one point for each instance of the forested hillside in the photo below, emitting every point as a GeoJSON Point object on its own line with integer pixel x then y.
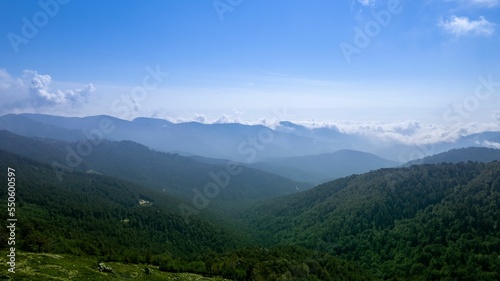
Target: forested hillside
{"type": "Point", "coordinates": [170, 173]}
{"type": "Point", "coordinates": [97, 215]}
{"type": "Point", "coordinates": [475, 154]}
{"type": "Point", "coordinates": [423, 222]}
{"type": "Point", "coordinates": [430, 221]}
{"type": "Point", "coordinates": [324, 167]}
{"type": "Point", "coordinates": [112, 220]}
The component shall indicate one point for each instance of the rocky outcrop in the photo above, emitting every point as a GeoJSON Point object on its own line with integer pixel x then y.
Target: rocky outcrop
{"type": "Point", "coordinates": [103, 268]}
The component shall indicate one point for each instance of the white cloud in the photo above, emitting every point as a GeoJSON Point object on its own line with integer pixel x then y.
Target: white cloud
{"type": "Point", "coordinates": [405, 132]}
{"type": "Point", "coordinates": [223, 119]}
{"type": "Point", "coordinates": [33, 90]}
{"type": "Point", "coordinates": [7, 81]}
{"type": "Point", "coordinates": [491, 144]}
{"type": "Point", "coordinates": [482, 3]}
{"type": "Point", "coordinates": [463, 26]}
{"type": "Point", "coordinates": [200, 118]}
{"type": "Point", "coordinates": [468, 4]}
{"type": "Point", "coordinates": [39, 88]}
{"type": "Point", "coordinates": [496, 115]}
{"type": "Point", "coordinates": [365, 2]}
{"type": "Point", "coordinates": [408, 132]}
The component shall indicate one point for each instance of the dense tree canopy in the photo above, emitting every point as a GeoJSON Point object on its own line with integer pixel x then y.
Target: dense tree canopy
{"type": "Point", "coordinates": [424, 222]}
{"type": "Point", "coordinates": [433, 221]}
{"type": "Point", "coordinates": [94, 215]}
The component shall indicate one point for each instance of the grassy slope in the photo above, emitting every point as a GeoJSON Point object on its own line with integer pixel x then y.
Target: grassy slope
{"type": "Point", "coordinates": [42, 267]}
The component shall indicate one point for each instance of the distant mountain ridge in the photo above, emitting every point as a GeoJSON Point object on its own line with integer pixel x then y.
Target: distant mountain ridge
{"type": "Point", "coordinates": [324, 167]}
{"type": "Point", "coordinates": [171, 173]}
{"type": "Point", "coordinates": [233, 141]}
{"type": "Point", "coordinates": [237, 142]}
{"type": "Point", "coordinates": [474, 154]}
{"type": "Point", "coordinates": [243, 143]}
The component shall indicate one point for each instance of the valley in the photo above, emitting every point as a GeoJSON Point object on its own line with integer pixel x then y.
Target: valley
{"type": "Point", "coordinates": [344, 215]}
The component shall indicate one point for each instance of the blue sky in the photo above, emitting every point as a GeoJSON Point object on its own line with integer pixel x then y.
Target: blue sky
{"type": "Point", "coordinates": [235, 60]}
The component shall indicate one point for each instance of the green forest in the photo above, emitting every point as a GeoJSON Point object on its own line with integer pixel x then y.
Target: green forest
{"type": "Point", "coordinates": [429, 222]}
{"type": "Point", "coordinates": [98, 216]}
{"type": "Point", "coordinates": [424, 222]}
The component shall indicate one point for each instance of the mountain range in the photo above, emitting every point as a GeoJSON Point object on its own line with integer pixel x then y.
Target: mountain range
{"type": "Point", "coordinates": [324, 167]}
{"type": "Point", "coordinates": [475, 154]}
{"type": "Point", "coordinates": [93, 187]}
{"type": "Point", "coordinates": [169, 173]}
{"type": "Point", "coordinates": [236, 142]}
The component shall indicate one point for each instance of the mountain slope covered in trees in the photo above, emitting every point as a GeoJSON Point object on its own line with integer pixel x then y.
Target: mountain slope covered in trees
{"type": "Point", "coordinates": [324, 167]}
{"type": "Point", "coordinates": [102, 216]}
{"type": "Point", "coordinates": [170, 173]}
{"type": "Point", "coordinates": [475, 154]}
{"type": "Point", "coordinates": [426, 222]}
{"type": "Point", "coordinates": [112, 220]}
{"type": "Point", "coordinates": [423, 222]}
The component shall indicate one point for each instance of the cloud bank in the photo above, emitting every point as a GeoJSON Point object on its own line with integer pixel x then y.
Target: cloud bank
{"type": "Point", "coordinates": [366, 2]}
{"type": "Point", "coordinates": [32, 91]}
{"type": "Point", "coordinates": [482, 3]}
{"type": "Point", "coordinates": [409, 132]}
{"type": "Point", "coordinates": [463, 26]}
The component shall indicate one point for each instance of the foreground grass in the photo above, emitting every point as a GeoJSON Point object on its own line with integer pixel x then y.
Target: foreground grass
{"type": "Point", "coordinates": [41, 266]}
